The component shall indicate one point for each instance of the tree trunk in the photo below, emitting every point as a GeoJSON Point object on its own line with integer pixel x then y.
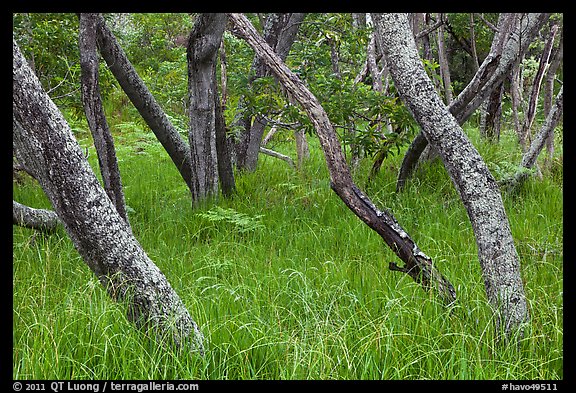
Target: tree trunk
{"type": "Point", "coordinates": [549, 93]}
{"type": "Point", "coordinates": [44, 143]}
{"type": "Point", "coordinates": [39, 219]}
{"type": "Point", "coordinates": [302, 150]}
{"type": "Point", "coordinates": [443, 61]}
{"type": "Point", "coordinates": [533, 99]}
{"type": "Point", "coordinates": [144, 101]}
{"type": "Point", "coordinates": [203, 45]}
{"type": "Point", "coordinates": [531, 155]}
{"type": "Point", "coordinates": [516, 97]}
{"type": "Point", "coordinates": [417, 264]}
{"type": "Point", "coordinates": [493, 70]}
{"type": "Point", "coordinates": [476, 186]}
{"type": "Point", "coordinates": [279, 32]}
{"type": "Point", "coordinates": [491, 125]}
{"type": "Point", "coordinates": [475, 61]}
{"type": "Point", "coordinates": [225, 169]}
{"type": "Point", "coordinates": [103, 141]}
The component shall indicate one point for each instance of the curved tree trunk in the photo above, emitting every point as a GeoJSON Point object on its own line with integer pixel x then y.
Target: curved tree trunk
{"type": "Point", "coordinates": [477, 188]}
{"type": "Point", "coordinates": [45, 144]}
{"type": "Point", "coordinates": [417, 264]}
{"type": "Point", "coordinates": [103, 141]}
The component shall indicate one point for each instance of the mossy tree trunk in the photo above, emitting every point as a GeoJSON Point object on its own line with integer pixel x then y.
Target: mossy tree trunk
{"type": "Point", "coordinates": [45, 144]}
{"type": "Point", "coordinates": [475, 184]}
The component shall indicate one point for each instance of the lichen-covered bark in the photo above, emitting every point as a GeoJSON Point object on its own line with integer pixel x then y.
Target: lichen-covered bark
{"type": "Point", "coordinates": [45, 144]}
{"type": "Point", "coordinates": [417, 264]}
{"type": "Point", "coordinates": [103, 141]}
{"type": "Point", "coordinates": [474, 182]}
{"type": "Point", "coordinates": [530, 157]}
{"type": "Point", "coordinates": [203, 45]}
{"type": "Point", "coordinates": [28, 217]}
{"type": "Point", "coordinates": [143, 100]}
{"type": "Point", "coordinates": [505, 52]}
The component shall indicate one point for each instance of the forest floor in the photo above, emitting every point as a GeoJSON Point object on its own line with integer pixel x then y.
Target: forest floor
{"type": "Point", "coordinates": [286, 283]}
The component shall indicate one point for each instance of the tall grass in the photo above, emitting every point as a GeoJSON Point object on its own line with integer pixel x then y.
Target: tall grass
{"type": "Point", "coordinates": [304, 295]}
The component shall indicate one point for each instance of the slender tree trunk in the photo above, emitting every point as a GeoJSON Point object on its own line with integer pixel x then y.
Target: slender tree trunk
{"type": "Point", "coordinates": [225, 169]}
{"type": "Point", "coordinates": [493, 70]}
{"type": "Point", "coordinates": [529, 158]}
{"type": "Point", "coordinates": [279, 32]}
{"type": "Point", "coordinates": [549, 93]}
{"type": "Point", "coordinates": [144, 101]}
{"type": "Point", "coordinates": [533, 99]}
{"type": "Point", "coordinates": [44, 143]}
{"type": "Point", "coordinates": [443, 60]}
{"type": "Point", "coordinates": [103, 141]}
{"type": "Point", "coordinates": [476, 186]}
{"type": "Point", "coordinates": [417, 264]}
{"type": "Point", "coordinates": [475, 60]}
{"type": "Point", "coordinates": [203, 45]}
{"type": "Point", "coordinates": [302, 150]}
{"type": "Point", "coordinates": [516, 98]}
{"type": "Point", "coordinates": [39, 219]}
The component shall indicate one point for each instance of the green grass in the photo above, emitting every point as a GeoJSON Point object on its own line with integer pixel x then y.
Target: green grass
{"type": "Point", "coordinates": [304, 294]}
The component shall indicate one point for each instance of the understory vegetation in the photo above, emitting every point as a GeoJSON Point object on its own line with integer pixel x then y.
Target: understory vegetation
{"type": "Point", "coordinates": [286, 283]}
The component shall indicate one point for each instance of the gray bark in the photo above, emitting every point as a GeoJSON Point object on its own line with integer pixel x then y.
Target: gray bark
{"type": "Point", "coordinates": [203, 45]}
{"type": "Point", "coordinates": [443, 61]}
{"type": "Point", "coordinates": [529, 158]}
{"type": "Point", "coordinates": [280, 156]}
{"type": "Point", "coordinates": [549, 92]}
{"type": "Point", "coordinates": [103, 141]}
{"type": "Point", "coordinates": [504, 54]}
{"type": "Point", "coordinates": [516, 98]}
{"type": "Point", "coordinates": [279, 32]}
{"type": "Point", "coordinates": [143, 100]}
{"type": "Point", "coordinates": [490, 126]}
{"type": "Point", "coordinates": [534, 93]}
{"type": "Point", "coordinates": [417, 264]}
{"type": "Point", "coordinates": [476, 186]}
{"type": "Point", "coordinates": [45, 143]}
{"type": "Point", "coordinates": [39, 219]}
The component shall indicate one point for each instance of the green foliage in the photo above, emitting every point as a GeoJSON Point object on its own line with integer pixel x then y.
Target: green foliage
{"type": "Point", "coordinates": [50, 44]}
{"type": "Point", "coordinates": [239, 222]}
{"type": "Point", "coordinates": [309, 296]}
{"type": "Point", "coordinates": [284, 281]}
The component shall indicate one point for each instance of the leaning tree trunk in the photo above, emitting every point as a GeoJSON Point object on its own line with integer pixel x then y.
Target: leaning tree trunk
{"type": "Point", "coordinates": [504, 54]}
{"type": "Point", "coordinates": [45, 144]}
{"type": "Point", "coordinates": [103, 141]}
{"type": "Point", "coordinates": [477, 188]}
{"type": "Point", "coordinates": [535, 92]}
{"type": "Point", "coordinates": [417, 264]}
{"type": "Point", "coordinates": [143, 100]}
{"type": "Point", "coordinates": [203, 45]}
{"type": "Point", "coordinates": [279, 32]}
{"type": "Point", "coordinates": [529, 158]}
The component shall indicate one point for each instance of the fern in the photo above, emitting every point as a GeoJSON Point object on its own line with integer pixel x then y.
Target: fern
{"type": "Point", "coordinates": [242, 222]}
